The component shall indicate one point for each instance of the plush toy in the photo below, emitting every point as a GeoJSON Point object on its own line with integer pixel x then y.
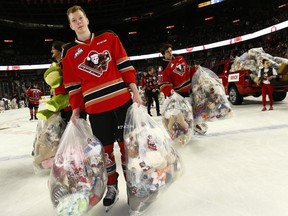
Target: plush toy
{"type": "Point", "coordinates": [209, 99]}
{"type": "Point", "coordinates": [78, 177]}
{"type": "Point", "coordinates": [150, 157]}
{"type": "Point", "coordinates": [53, 77]}
{"type": "Point", "coordinates": [178, 119]}
{"type": "Point", "coordinates": [47, 141]}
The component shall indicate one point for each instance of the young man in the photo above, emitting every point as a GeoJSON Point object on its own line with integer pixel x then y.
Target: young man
{"type": "Point", "coordinates": [176, 77]}
{"type": "Point", "coordinates": [266, 74]}
{"type": "Point", "coordinates": [98, 73]}
{"type": "Point", "coordinates": [33, 94]}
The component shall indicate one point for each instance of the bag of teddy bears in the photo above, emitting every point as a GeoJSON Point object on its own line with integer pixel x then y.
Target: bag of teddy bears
{"type": "Point", "coordinates": [47, 139]}
{"type": "Point", "coordinates": [251, 60]}
{"type": "Point", "coordinates": [152, 162]}
{"type": "Point", "coordinates": [177, 118]}
{"type": "Point", "coordinates": [78, 177]}
{"type": "Point", "coordinates": [209, 100]}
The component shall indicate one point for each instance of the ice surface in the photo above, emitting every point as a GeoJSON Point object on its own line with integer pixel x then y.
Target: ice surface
{"type": "Point", "coordinates": [239, 168]}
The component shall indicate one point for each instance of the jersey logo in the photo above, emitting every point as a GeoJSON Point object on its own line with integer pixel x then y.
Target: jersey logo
{"type": "Point", "coordinates": [96, 63]}
{"type": "Point", "coordinates": [180, 69]}
{"type": "Point", "coordinates": [78, 52]}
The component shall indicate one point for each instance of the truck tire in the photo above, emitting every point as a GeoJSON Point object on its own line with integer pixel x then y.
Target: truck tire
{"type": "Point", "coordinates": [234, 97]}
{"type": "Point", "coordinates": [257, 94]}
{"type": "Point", "coordinates": [279, 96]}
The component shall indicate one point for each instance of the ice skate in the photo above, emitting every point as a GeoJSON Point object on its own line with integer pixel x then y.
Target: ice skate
{"type": "Point", "coordinates": [111, 197]}
{"type": "Point", "coordinates": [200, 128]}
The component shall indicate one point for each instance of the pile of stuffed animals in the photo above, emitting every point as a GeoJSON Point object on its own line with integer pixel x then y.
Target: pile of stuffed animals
{"type": "Point", "coordinates": [78, 177]}
{"type": "Point", "coordinates": [47, 139]}
{"type": "Point", "coordinates": [209, 100]}
{"type": "Point", "coordinates": [251, 60]}
{"type": "Point", "coordinates": [152, 162]}
{"type": "Point", "coordinates": [50, 125]}
{"type": "Point", "coordinates": [178, 118]}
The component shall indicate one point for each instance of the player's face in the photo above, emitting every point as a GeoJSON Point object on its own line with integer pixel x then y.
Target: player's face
{"type": "Point", "coordinates": [168, 54]}
{"type": "Point", "coordinates": [78, 22]}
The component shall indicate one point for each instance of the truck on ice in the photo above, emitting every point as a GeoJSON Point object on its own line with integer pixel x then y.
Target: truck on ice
{"type": "Point", "coordinates": [240, 81]}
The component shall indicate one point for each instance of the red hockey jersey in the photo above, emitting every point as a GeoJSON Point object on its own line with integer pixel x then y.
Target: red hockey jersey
{"type": "Point", "coordinates": [33, 95]}
{"type": "Point", "coordinates": [97, 71]}
{"type": "Point", "coordinates": [177, 75]}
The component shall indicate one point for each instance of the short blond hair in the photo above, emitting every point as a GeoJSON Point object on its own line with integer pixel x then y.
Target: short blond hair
{"type": "Point", "coordinates": [73, 9]}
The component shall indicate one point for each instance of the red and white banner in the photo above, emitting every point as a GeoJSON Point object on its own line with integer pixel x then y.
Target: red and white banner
{"type": "Point", "coordinates": [227, 42]}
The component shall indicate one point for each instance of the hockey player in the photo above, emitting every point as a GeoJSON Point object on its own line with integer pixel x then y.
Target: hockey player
{"type": "Point", "coordinates": [176, 77]}
{"type": "Point", "coordinates": [98, 72]}
{"type": "Point", "coordinates": [33, 94]}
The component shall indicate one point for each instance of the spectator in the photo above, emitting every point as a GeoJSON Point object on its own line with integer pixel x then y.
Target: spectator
{"type": "Point", "coordinates": [6, 103]}
{"type": "Point", "coordinates": [150, 83]}
{"type": "Point", "coordinates": [266, 75]}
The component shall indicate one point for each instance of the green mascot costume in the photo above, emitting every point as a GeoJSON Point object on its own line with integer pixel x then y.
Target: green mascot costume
{"type": "Point", "coordinates": [53, 77]}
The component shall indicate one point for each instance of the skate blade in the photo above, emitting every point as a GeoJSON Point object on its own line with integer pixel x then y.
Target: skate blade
{"type": "Point", "coordinates": [108, 208]}
{"type": "Point", "coordinates": [200, 132]}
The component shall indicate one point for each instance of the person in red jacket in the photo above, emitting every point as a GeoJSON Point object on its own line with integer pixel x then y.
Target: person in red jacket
{"type": "Point", "coordinates": [176, 76]}
{"type": "Point", "coordinates": [33, 94]}
{"type": "Point", "coordinates": [98, 73]}
{"type": "Point", "coordinates": [150, 84]}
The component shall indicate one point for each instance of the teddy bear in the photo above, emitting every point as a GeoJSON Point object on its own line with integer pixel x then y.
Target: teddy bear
{"type": "Point", "coordinates": [178, 128]}
{"type": "Point", "coordinates": [151, 160]}
{"type": "Point", "coordinates": [47, 141]}
{"type": "Point", "coordinates": [178, 119]}
{"type": "Point", "coordinates": [53, 77]}
{"type": "Point", "coordinates": [78, 177]}
{"type": "Point", "coordinates": [209, 99]}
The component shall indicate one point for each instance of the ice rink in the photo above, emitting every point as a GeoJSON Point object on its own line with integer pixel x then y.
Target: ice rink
{"type": "Point", "coordinates": [238, 168]}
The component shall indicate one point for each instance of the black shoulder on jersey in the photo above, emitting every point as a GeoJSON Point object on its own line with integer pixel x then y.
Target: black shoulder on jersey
{"type": "Point", "coordinates": [103, 31]}
{"type": "Point", "coordinates": [67, 47]}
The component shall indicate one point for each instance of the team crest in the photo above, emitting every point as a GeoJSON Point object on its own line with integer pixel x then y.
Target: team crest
{"type": "Point", "coordinates": [96, 63]}
{"type": "Point", "coordinates": [180, 69]}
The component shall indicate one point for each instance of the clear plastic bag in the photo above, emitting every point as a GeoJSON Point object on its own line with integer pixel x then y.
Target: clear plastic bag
{"type": "Point", "coordinates": [78, 177]}
{"type": "Point", "coordinates": [209, 100]}
{"type": "Point", "coordinates": [47, 139]}
{"type": "Point", "coordinates": [152, 162]}
{"type": "Point", "coordinates": [177, 118]}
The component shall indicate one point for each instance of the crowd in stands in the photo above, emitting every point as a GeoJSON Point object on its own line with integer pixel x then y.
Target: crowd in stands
{"type": "Point", "coordinates": [223, 28]}
{"type": "Point", "coordinates": [188, 33]}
